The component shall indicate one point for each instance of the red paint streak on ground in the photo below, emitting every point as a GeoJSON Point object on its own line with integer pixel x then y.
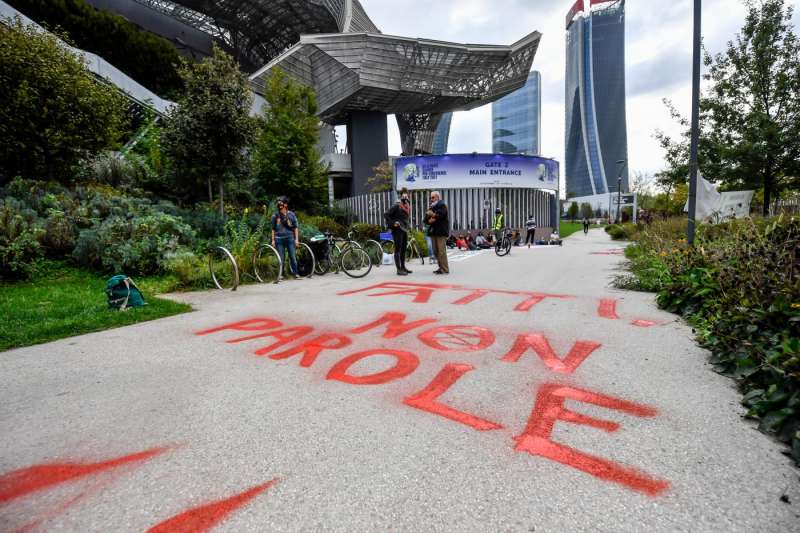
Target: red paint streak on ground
{"type": "Point", "coordinates": [549, 409]}
{"type": "Point", "coordinates": [205, 517]}
{"type": "Point", "coordinates": [608, 309]}
{"type": "Point", "coordinates": [312, 348]}
{"type": "Point", "coordinates": [26, 481]}
{"type": "Point", "coordinates": [423, 292]}
{"type": "Point", "coordinates": [539, 343]}
{"type": "Point", "coordinates": [457, 338]}
{"type": "Point", "coordinates": [428, 398]}
{"type": "Point", "coordinates": [644, 323]}
{"type": "Point", "coordinates": [406, 363]}
{"type": "Point", "coordinates": [474, 295]}
{"type": "Point", "coordinates": [395, 325]}
{"type": "Point", "coordinates": [252, 324]}
{"type": "Point", "coordinates": [282, 336]}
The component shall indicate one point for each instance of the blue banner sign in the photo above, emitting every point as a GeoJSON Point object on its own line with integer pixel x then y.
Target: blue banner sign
{"type": "Point", "coordinates": [470, 171]}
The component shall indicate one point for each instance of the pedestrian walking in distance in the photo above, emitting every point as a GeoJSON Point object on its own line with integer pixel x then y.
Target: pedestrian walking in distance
{"type": "Point", "coordinates": [397, 218]}
{"type": "Point", "coordinates": [286, 234]}
{"type": "Point", "coordinates": [585, 226]}
{"type": "Point", "coordinates": [439, 222]}
{"type": "Point", "coordinates": [530, 227]}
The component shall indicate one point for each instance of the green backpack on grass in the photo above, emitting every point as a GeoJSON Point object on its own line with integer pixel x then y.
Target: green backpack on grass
{"type": "Point", "coordinates": [123, 293]}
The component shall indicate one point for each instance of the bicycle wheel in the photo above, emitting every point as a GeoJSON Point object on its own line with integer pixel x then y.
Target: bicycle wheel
{"type": "Point", "coordinates": [503, 246]}
{"type": "Point", "coordinates": [412, 251]}
{"type": "Point", "coordinates": [267, 264]}
{"type": "Point", "coordinates": [355, 263]}
{"type": "Point", "coordinates": [223, 269]}
{"type": "Point", "coordinates": [374, 251]}
{"type": "Point", "coordinates": [305, 260]}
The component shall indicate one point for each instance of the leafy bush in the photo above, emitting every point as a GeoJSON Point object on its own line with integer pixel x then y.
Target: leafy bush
{"type": "Point", "coordinates": [190, 270]}
{"type": "Point", "coordinates": [327, 224]}
{"type": "Point", "coordinates": [740, 287]}
{"type": "Point", "coordinates": [139, 245]}
{"type": "Point", "coordinates": [621, 231]}
{"type": "Point", "coordinates": [362, 232]}
{"type": "Point", "coordinates": [419, 238]}
{"type": "Point", "coordinates": [20, 249]}
{"type": "Point", "coordinates": [61, 234]}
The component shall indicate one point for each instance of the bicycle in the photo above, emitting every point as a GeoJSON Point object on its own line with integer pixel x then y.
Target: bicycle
{"type": "Point", "coordinates": [503, 245]}
{"type": "Point", "coordinates": [223, 268]}
{"type": "Point", "coordinates": [350, 259]}
{"type": "Point", "coordinates": [412, 250]}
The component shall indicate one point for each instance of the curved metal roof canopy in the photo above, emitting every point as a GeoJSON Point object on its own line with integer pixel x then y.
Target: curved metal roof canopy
{"type": "Point", "coordinates": [256, 31]}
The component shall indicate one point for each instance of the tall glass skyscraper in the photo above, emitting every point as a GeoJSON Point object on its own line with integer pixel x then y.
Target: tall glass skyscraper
{"type": "Point", "coordinates": [517, 119]}
{"type": "Point", "coordinates": [442, 135]}
{"type": "Point", "coordinates": [596, 134]}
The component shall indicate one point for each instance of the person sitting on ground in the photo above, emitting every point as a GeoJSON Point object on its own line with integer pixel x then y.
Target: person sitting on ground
{"type": "Point", "coordinates": [471, 242]}
{"type": "Point", "coordinates": [461, 243]}
{"type": "Point", "coordinates": [516, 238]}
{"type": "Point", "coordinates": [554, 238]}
{"type": "Point", "coordinates": [481, 242]}
{"type": "Point", "coordinates": [451, 242]}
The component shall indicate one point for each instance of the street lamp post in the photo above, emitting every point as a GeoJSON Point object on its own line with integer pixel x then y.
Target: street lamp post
{"type": "Point", "coordinates": [621, 162]}
{"type": "Point", "coordinates": [695, 123]}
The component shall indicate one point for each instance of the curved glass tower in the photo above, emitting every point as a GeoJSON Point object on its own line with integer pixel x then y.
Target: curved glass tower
{"type": "Point", "coordinates": [595, 130]}
{"type": "Point", "coordinates": [516, 119]}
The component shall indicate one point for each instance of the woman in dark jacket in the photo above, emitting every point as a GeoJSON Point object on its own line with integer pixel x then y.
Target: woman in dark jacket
{"type": "Point", "coordinates": [397, 219]}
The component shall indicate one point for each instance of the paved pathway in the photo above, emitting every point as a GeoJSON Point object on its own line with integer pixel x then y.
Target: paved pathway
{"type": "Point", "coordinates": [517, 394]}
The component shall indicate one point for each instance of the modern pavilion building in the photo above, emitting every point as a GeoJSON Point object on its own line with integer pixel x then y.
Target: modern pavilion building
{"type": "Point", "coordinates": [517, 119]}
{"type": "Point", "coordinates": [595, 130]}
{"type": "Point", "coordinates": [359, 74]}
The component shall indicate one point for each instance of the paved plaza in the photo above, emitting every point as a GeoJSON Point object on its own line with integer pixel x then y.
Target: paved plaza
{"type": "Point", "coordinates": [520, 393]}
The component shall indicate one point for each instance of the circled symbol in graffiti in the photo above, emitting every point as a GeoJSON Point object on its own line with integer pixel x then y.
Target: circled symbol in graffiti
{"type": "Point", "coordinates": [458, 338]}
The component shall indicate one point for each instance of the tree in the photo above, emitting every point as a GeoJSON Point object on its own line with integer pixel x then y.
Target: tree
{"type": "Point", "coordinates": [586, 210]}
{"type": "Point", "coordinates": [286, 159]}
{"type": "Point", "coordinates": [750, 135]}
{"type": "Point", "coordinates": [53, 112]}
{"type": "Point", "coordinates": [206, 135]}
{"type": "Point", "coordinates": [572, 212]}
{"type": "Point", "coordinates": [383, 179]}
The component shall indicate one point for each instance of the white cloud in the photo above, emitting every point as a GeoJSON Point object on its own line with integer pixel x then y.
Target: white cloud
{"type": "Point", "coordinates": [658, 59]}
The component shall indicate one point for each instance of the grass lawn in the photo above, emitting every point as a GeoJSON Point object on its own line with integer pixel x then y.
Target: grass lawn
{"type": "Point", "coordinates": [568, 228]}
{"type": "Point", "coordinates": [64, 301]}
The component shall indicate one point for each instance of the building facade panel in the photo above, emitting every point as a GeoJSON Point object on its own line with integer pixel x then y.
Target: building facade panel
{"type": "Point", "coordinates": [516, 119]}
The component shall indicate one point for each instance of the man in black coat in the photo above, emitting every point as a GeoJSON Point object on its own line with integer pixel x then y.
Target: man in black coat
{"type": "Point", "coordinates": [439, 222]}
{"type": "Point", "coordinates": [397, 219]}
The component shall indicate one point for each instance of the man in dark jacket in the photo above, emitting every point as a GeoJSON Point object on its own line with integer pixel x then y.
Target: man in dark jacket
{"type": "Point", "coordinates": [397, 218]}
{"type": "Point", "coordinates": [439, 222]}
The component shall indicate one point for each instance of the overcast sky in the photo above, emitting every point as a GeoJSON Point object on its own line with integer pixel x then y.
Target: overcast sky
{"type": "Point", "coordinates": [658, 59]}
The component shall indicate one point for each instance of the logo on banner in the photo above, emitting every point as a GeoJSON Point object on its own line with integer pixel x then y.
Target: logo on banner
{"type": "Point", "coordinates": [410, 172]}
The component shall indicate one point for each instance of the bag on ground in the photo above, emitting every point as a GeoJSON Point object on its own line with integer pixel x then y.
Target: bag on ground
{"type": "Point", "coordinates": [123, 293]}
{"type": "Point", "coordinates": [388, 259]}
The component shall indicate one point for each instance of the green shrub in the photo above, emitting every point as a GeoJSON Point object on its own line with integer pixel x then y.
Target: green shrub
{"type": "Point", "coordinates": [190, 270]}
{"type": "Point", "coordinates": [61, 234]}
{"type": "Point", "coordinates": [20, 235]}
{"type": "Point", "coordinates": [740, 287]}
{"type": "Point", "coordinates": [362, 232]}
{"type": "Point", "coordinates": [327, 224]}
{"type": "Point", "coordinates": [135, 247]}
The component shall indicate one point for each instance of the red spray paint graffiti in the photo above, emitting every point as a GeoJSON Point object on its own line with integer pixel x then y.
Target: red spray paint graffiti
{"type": "Point", "coordinates": [427, 398]}
{"type": "Point", "coordinates": [539, 343]}
{"type": "Point", "coordinates": [549, 409]}
{"type": "Point", "coordinates": [26, 481]}
{"type": "Point", "coordinates": [205, 517]}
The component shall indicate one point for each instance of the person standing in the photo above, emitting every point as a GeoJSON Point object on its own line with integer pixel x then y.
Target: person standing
{"type": "Point", "coordinates": [530, 227]}
{"type": "Point", "coordinates": [497, 225]}
{"type": "Point", "coordinates": [585, 226]}
{"type": "Point", "coordinates": [397, 219]}
{"type": "Point", "coordinates": [286, 234]}
{"type": "Point", "coordinates": [439, 222]}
